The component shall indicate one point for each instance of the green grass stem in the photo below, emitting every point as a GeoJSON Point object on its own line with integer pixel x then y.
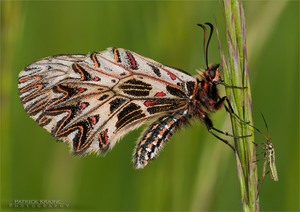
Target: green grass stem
{"type": "Point", "coordinates": [236, 73]}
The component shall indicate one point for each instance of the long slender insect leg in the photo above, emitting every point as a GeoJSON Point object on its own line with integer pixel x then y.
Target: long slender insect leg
{"type": "Point", "coordinates": [154, 138]}
{"type": "Point", "coordinates": [210, 129]}
{"type": "Point", "coordinates": [229, 109]}
{"type": "Point", "coordinates": [221, 139]}
{"type": "Point", "coordinates": [264, 173]}
{"type": "Point", "coordinates": [230, 135]}
{"type": "Point", "coordinates": [221, 82]}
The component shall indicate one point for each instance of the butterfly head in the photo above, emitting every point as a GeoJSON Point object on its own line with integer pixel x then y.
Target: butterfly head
{"type": "Point", "coordinates": [212, 74]}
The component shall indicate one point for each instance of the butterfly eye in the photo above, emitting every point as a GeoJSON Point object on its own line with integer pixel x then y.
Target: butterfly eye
{"type": "Point", "coordinates": [212, 73]}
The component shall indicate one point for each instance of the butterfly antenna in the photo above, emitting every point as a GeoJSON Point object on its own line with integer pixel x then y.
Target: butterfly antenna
{"type": "Point", "coordinates": [208, 41]}
{"type": "Point", "coordinates": [204, 43]}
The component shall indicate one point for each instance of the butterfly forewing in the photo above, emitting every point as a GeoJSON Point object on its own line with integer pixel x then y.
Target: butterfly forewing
{"type": "Point", "coordinates": [90, 101]}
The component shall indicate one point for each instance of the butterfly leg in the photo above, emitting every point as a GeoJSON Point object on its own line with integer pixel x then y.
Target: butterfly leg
{"type": "Point", "coordinates": [211, 129]}
{"type": "Point", "coordinates": [154, 138]}
{"type": "Point", "coordinates": [229, 109]}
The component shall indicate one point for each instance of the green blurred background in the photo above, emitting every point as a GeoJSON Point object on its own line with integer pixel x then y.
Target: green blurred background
{"type": "Point", "coordinates": [195, 171]}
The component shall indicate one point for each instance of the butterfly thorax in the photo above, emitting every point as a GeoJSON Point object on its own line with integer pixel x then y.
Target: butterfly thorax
{"type": "Point", "coordinates": [207, 93]}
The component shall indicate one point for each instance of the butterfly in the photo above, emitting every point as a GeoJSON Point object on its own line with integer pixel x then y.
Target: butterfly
{"type": "Point", "coordinates": [90, 101]}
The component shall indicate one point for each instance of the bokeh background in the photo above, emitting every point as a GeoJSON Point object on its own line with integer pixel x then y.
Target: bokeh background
{"type": "Point", "coordinates": [195, 171]}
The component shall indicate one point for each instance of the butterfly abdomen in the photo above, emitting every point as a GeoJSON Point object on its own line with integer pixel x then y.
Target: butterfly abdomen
{"type": "Point", "coordinates": [155, 137]}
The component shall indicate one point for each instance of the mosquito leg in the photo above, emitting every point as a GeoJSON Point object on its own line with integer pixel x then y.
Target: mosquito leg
{"type": "Point", "coordinates": [264, 173]}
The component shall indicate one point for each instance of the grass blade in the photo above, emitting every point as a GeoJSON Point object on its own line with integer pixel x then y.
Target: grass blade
{"type": "Point", "coordinates": [236, 73]}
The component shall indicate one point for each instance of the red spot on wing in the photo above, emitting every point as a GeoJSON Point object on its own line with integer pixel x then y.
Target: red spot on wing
{"type": "Point", "coordinates": [133, 64]}
{"type": "Point", "coordinates": [173, 77]}
{"type": "Point", "coordinates": [160, 94]}
{"type": "Point", "coordinates": [96, 78]}
{"type": "Point", "coordinates": [81, 90]}
{"type": "Point", "coordinates": [150, 103]}
{"type": "Point", "coordinates": [94, 120]}
{"type": "Point", "coordinates": [83, 105]}
{"type": "Point", "coordinates": [105, 136]}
